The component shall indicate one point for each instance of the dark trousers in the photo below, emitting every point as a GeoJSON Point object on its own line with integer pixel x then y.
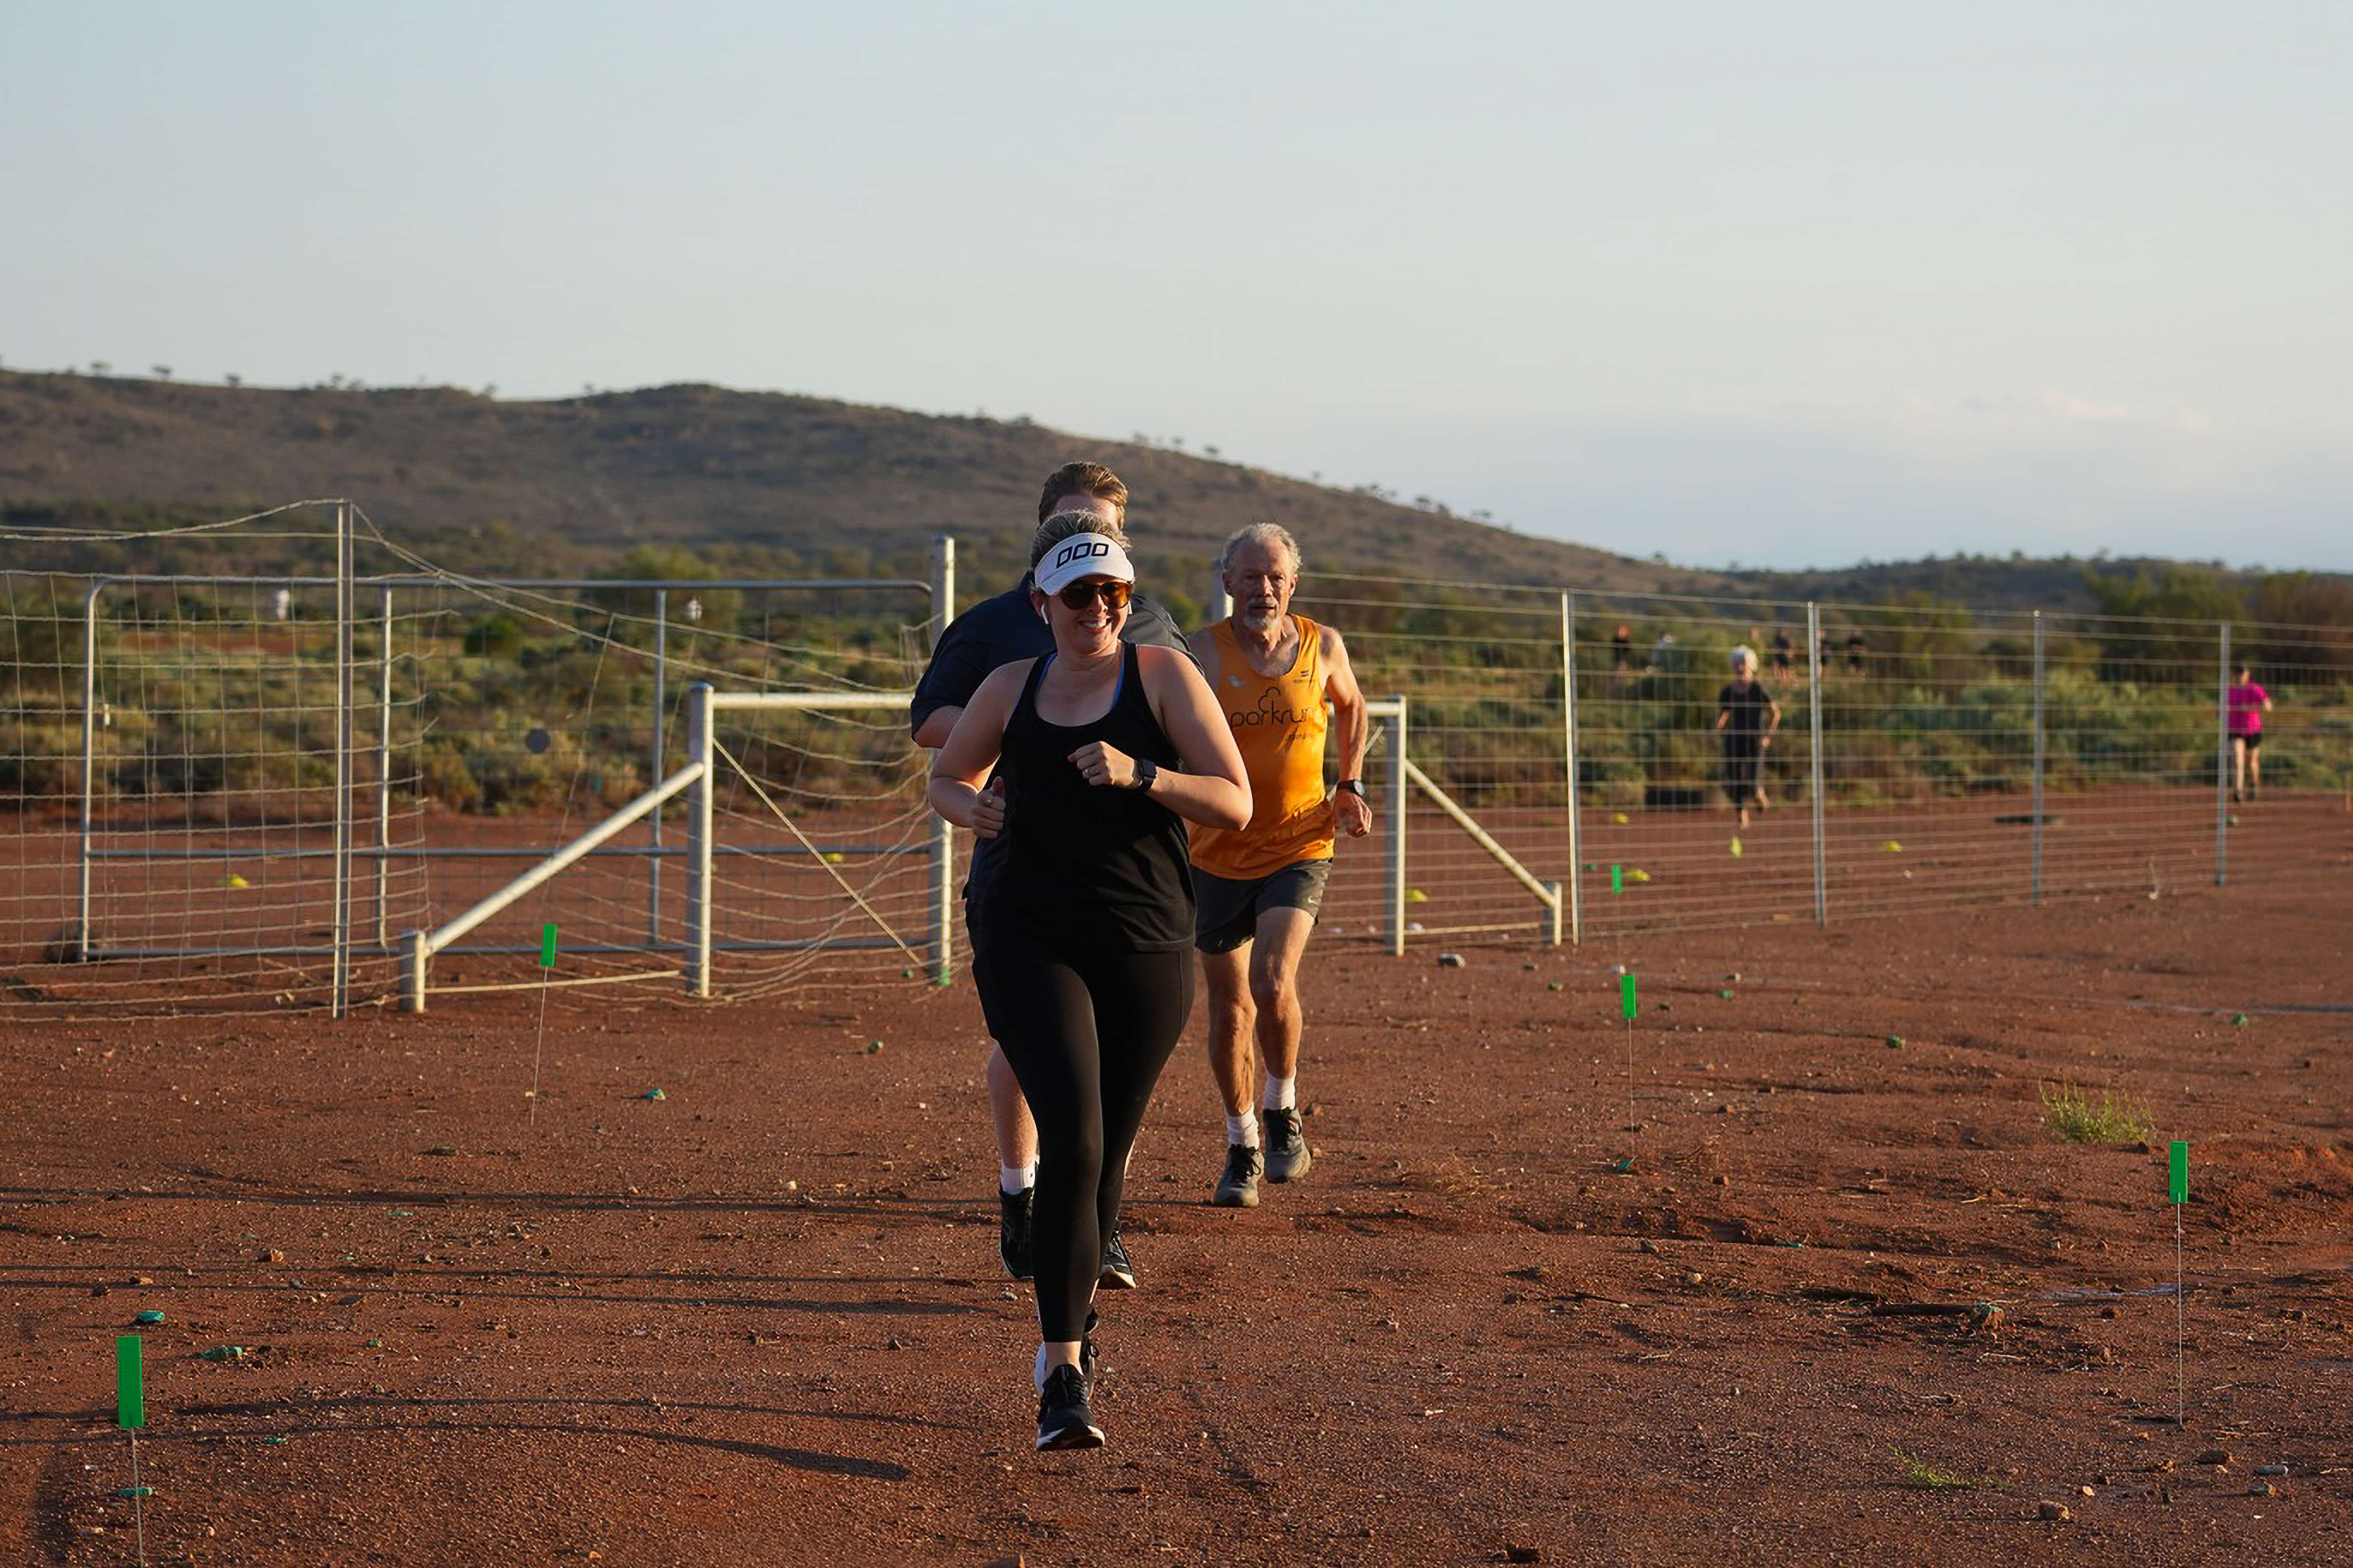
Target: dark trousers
{"type": "Point", "coordinates": [1087, 1027]}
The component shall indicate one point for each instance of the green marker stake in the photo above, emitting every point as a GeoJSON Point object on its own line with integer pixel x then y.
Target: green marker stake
{"type": "Point", "coordinates": [1626, 1004]}
{"type": "Point", "coordinates": [1617, 878]}
{"type": "Point", "coordinates": [539, 1048]}
{"type": "Point", "coordinates": [2177, 1188]}
{"type": "Point", "coordinates": [130, 1399]}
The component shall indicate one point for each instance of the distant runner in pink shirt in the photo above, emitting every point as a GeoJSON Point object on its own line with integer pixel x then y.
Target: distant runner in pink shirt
{"type": "Point", "coordinates": [2249, 703]}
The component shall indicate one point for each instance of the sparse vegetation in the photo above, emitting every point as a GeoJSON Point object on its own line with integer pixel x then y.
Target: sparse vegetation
{"type": "Point", "coordinates": [2075, 1115]}
{"type": "Point", "coordinates": [1926, 1477]}
{"type": "Point", "coordinates": [699, 483]}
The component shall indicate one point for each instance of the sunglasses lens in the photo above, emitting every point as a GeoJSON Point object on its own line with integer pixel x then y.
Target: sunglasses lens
{"type": "Point", "coordinates": [1079, 595]}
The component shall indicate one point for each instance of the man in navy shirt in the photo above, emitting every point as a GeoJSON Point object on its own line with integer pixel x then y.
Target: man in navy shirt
{"type": "Point", "coordinates": [995, 632]}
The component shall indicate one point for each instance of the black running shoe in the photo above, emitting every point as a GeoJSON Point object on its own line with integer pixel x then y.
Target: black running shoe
{"type": "Point", "coordinates": [1064, 1418]}
{"type": "Point", "coordinates": [1013, 1231]}
{"type": "Point", "coordinates": [1238, 1188]}
{"type": "Point", "coordinates": [1118, 1273]}
{"type": "Point", "coordinates": [1286, 1146]}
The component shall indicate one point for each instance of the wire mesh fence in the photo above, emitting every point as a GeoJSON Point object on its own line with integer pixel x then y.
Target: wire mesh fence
{"type": "Point", "coordinates": [244, 792]}
{"type": "Point", "coordinates": [1907, 757]}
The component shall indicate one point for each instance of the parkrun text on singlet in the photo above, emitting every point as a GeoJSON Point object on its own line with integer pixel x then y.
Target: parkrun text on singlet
{"type": "Point", "coordinates": [1269, 711]}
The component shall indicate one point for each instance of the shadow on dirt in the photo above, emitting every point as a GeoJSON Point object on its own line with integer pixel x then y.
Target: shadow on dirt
{"type": "Point", "coordinates": [769, 1453]}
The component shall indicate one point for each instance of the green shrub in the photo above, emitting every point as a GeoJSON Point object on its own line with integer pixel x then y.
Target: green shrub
{"type": "Point", "coordinates": [2073, 1114]}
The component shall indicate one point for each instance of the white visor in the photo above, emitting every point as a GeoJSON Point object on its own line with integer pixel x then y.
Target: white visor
{"type": "Point", "coordinates": [1081, 555]}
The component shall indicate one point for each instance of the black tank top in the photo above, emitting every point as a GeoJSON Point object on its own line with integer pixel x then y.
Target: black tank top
{"type": "Point", "coordinates": [1104, 864]}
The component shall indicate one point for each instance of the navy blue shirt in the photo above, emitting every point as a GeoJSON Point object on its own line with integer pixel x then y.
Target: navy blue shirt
{"type": "Point", "coordinates": [998, 631]}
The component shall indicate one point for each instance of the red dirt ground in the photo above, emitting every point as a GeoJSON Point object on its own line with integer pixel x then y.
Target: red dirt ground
{"type": "Point", "coordinates": [760, 1320]}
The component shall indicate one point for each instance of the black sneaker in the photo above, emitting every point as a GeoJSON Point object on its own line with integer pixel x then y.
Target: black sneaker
{"type": "Point", "coordinates": [1238, 1188]}
{"type": "Point", "coordinates": [1064, 1418]}
{"type": "Point", "coordinates": [1286, 1146]}
{"type": "Point", "coordinates": [1013, 1231]}
{"type": "Point", "coordinates": [1118, 1273]}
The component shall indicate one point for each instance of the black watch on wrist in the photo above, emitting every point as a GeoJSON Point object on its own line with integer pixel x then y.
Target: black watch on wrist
{"type": "Point", "coordinates": [1147, 770]}
{"type": "Point", "coordinates": [1352, 786]}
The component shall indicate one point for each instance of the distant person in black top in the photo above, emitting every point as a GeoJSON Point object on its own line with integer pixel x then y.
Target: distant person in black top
{"type": "Point", "coordinates": [1782, 650]}
{"type": "Point", "coordinates": [1854, 646]}
{"type": "Point", "coordinates": [1745, 716]}
{"type": "Point", "coordinates": [1100, 752]}
{"type": "Point", "coordinates": [1621, 649]}
{"type": "Point", "coordinates": [996, 632]}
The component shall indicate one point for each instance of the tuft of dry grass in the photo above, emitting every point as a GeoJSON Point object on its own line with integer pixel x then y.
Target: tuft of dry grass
{"type": "Point", "coordinates": [2074, 1114]}
{"type": "Point", "coordinates": [1927, 1477]}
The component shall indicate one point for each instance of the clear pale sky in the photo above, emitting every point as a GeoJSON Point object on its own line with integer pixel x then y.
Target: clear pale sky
{"type": "Point", "coordinates": [1786, 285]}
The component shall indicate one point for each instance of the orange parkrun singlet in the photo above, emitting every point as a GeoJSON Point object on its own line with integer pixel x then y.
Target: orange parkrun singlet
{"type": "Point", "coordinates": [1279, 723]}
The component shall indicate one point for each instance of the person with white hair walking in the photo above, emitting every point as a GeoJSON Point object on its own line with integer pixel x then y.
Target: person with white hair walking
{"type": "Point", "coordinates": [1261, 885]}
{"type": "Point", "coordinates": [1746, 717]}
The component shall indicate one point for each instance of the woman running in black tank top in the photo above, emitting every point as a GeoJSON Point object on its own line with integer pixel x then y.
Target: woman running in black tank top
{"type": "Point", "coordinates": [1081, 938]}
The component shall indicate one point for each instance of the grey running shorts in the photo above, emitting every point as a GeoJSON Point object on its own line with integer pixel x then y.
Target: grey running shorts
{"type": "Point", "coordinates": [1226, 914]}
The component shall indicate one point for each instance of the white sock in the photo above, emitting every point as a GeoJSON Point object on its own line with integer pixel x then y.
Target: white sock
{"type": "Point", "coordinates": [1243, 1129]}
{"type": "Point", "coordinates": [1038, 1371]}
{"type": "Point", "coordinates": [1012, 1180]}
{"type": "Point", "coordinates": [1281, 1093]}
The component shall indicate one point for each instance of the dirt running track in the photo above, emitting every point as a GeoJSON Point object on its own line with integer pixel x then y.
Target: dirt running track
{"type": "Point", "coordinates": [760, 1318]}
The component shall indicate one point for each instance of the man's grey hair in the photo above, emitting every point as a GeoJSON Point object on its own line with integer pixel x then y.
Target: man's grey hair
{"type": "Point", "coordinates": [1272, 533]}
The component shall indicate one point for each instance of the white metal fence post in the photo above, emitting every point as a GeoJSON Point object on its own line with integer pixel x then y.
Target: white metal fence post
{"type": "Point", "coordinates": [1397, 800]}
{"type": "Point", "coordinates": [1814, 705]}
{"type": "Point", "coordinates": [700, 896]}
{"type": "Point", "coordinates": [662, 745]}
{"type": "Point", "coordinates": [2222, 761]}
{"type": "Point", "coordinates": [943, 834]}
{"type": "Point", "coordinates": [89, 765]}
{"type": "Point", "coordinates": [1575, 888]}
{"type": "Point", "coordinates": [2034, 890]}
{"type": "Point", "coordinates": [345, 741]}
{"type": "Point", "coordinates": [383, 784]}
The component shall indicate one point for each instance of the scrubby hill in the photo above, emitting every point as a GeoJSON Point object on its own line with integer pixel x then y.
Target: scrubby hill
{"type": "Point", "coordinates": [770, 482]}
{"type": "Point", "coordinates": [746, 481]}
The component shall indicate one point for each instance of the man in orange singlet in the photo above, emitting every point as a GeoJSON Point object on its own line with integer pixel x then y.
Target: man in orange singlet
{"type": "Point", "coordinates": [1259, 888]}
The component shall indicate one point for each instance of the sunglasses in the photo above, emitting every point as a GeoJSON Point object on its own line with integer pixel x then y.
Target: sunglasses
{"type": "Point", "coordinates": [1114, 593]}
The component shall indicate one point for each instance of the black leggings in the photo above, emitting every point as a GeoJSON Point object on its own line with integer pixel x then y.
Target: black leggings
{"type": "Point", "coordinates": [1742, 756]}
{"type": "Point", "coordinates": [1087, 1029]}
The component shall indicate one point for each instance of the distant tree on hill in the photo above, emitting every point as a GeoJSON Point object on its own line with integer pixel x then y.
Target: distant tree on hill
{"type": "Point", "coordinates": [2322, 608]}
{"type": "Point", "coordinates": [2172, 622]}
